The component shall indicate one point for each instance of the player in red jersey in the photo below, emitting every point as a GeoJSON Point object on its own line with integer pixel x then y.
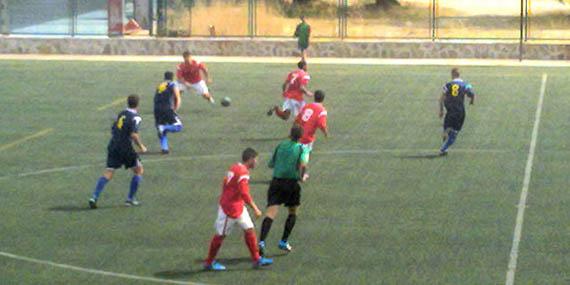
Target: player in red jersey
{"type": "Point", "coordinates": [191, 74]}
{"type": "Point", "coordinates": [231, 211]}
{"type": "Point", "coordinates": [312, 117]}
{"type": "Point", "coordinates": [294, 87]}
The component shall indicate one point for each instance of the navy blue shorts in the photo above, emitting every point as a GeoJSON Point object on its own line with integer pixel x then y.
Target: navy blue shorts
{"type": "Point", "coordinates": [454, 121]}
{"type": "Point", "coordinates": [166, 117]}
{"type": "Point", "coordinates": [126, 158]}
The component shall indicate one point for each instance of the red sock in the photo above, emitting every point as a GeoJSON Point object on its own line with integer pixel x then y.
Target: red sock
{"type": "Point", "coordinates": [251, 242]}
{"type": "Point", "coordinates": [215, 245]}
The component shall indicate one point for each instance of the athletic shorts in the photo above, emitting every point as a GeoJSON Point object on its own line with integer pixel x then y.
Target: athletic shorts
{"type": "Point", "coordinates": [201, 88]}
{"type": "Point", "coordinates": [284, 191]}
{"type": "Point", "coordinates": [225, 224]}
{"type": "Point", "coordinates": [166, 117]}
{"type": "Point", "coordinates": [293, 106]}
{"type": "Point", "coordinates": [454, 121]}
{"type": "Point", "coordinates": [118, 158]}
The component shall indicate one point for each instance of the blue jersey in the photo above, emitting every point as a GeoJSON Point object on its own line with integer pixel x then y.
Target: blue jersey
{"type": "Point", "coordinates": [454, 95]}
{"type": "Point", "coordinates": [126, 124]}
{"type": "Point", "coordinates": [164, 96]}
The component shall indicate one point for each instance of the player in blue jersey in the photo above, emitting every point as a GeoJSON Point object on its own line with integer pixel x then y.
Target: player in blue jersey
{"type": "Point", "coordinates": [166, 103]}
{"type": "Point", "coordinates": [452, 99]}
{"type": "Point", "coordinates": [120, 152]}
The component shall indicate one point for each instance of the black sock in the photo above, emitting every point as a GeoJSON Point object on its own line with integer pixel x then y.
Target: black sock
{"type": "Point", "coordinates": [265, 227]}
{"type": "Point", "coordinates": [289, 224]}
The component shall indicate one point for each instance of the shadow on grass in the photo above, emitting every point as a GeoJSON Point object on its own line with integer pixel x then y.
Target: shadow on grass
{"type": "Point", "coordinates": [75, 208]}
{"type": "Point", "coordinates": [150, 153]}
{"type": "Point", "coordinates": [420, 156]}
{"type": "Point", "coordinates": [187, 273]}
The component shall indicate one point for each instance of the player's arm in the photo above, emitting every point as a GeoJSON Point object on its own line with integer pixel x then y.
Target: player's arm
{"type": "Point", "coordinates": [271, 162]}
{"type": "Point", "coordinates": [285, 86]}
{"type": "Point", "coordinates": [243, 187]}
{"type": "Point", "coordinates": [441, 98]}
{"type": "Point", "coordinates": [306, 91]}
{"type": "Point", "coordinates": [470, 94]}
{"type": "Point", "coordinates": [323, 125]}
{"type": "Point", "coordinates": [177, 98]}
{"type": "Point", "coordinates": [137, 140]}
{"type": "Point", "coordinates": [205, 74]}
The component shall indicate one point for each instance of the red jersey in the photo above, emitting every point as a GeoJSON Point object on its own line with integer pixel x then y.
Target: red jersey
{"type": "Point", "coordinates": [190, 71]}
{"type": "Point", "coordinates": [235, 191]}
{"type": "Point", "coordinates": [312, 117]}
{"type": "Point", "coordinates": [296, 79]}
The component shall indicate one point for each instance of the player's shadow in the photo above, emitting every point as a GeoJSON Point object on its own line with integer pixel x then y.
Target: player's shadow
{"type": "Point", "coordinates": [75, 208]}
{"type": "Point", "coordinates": [151, 153]}
{"type": "Point", "coordinates": [420, 156]}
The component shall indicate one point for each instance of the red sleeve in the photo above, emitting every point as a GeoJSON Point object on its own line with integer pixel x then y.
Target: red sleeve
{"type": "Point", "coordinates": [179, 72]}
{"type": "Point", "coordinates": [322, 120]}
{"type": "Point", "coordinates": [202, 66]}
{"type": "Point", "coordinates": [305, 80]}
{"type": "Point", "coordinates": [244, 191]}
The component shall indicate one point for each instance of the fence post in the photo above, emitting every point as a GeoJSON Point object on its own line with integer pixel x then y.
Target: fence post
{"type": "Point", "coordinates": [116, 10]}
{"type": "Point", "coordinates": [433, 19]}
{"type": "Point", "coordinates": [161, 27]}
{"type": "Point", "coordinates": [521, 38]}
{"type": "Point", "coordinates": [4, 18]}
{"type": "Point", "coordinates": [73, 15]}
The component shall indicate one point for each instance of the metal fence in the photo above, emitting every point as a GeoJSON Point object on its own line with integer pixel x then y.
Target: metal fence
{"type": "Point", "coordinates": [343, 19]}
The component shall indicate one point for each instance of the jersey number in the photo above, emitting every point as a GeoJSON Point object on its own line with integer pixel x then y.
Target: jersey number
{"type": "Point", "coordinates": [454, 90]}
{"type": "Point", "coordinates": [307, 115]}
{"type": "Point", "coordinates": [121, 122]}
{"type": "Point", "coordinates": [229, 176]}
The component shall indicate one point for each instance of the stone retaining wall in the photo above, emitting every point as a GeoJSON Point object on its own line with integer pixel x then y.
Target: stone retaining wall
{"type": "Point", "coordinates": [282, 47]}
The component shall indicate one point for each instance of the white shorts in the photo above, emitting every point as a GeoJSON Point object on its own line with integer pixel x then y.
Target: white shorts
{"type": "Point", "coordinates": [201, 88]}
{"type": "Point", "coordinates": [293, 106]}
{"type": "Point", "coordinates": [224, 224]}
{"type": "Point", "coordinates": [308, 146]}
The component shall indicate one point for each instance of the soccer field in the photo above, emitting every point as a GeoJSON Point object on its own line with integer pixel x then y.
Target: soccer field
{"type": "Point", "coordinates": [379, 208]}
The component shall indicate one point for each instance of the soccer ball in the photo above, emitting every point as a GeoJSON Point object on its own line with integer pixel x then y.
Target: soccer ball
{"type": "Point", "coordinates": [226, 101]}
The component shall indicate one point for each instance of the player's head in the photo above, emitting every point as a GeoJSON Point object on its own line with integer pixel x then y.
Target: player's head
{"type": "Point", "coordinates": [302, 18]}
{"type": "Point", "coordinates": [249, 157]}
{"type": "Point", "coordinates": [455, 73]}
{"type": "Point", "coordinates": [296, 133]}
{"type": "Point", "coordinates": [319, 96]}
{"type": "Point", "coordinates": [186, 55]}
{"type": "Point", "coordinates": [168, 75]}
{"type": "Point", "coordinates": [302, 65]}
{"type": "Point", "coordinates": [133, 101]}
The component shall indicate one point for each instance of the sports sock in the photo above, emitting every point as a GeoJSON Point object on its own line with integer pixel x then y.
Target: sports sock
{"type": "Point", "coordinates": [215, 245]}
{"type": "Point", "coordinates": [134, 186]}
{"type": "Point", "coordinates": [265, 227]}
{"type": "Point", "coordinates": [251, 242]}
{"type": "Point", "coordinates": [101, 182]}
{"type": "Point", "coordinates": [164, 142]}
{"type": "Point", "coordinates": [172, 128]}
{"type": "Point", "coordinates": [289, 224]}
{"type": "Point", "coordinates": [450, 140]}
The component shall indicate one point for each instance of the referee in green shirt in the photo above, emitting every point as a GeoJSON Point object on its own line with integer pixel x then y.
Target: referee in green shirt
{"type": "Point", "coordinates": [289, 163]}
{"type": "Point", "coordinates": [303, 34]}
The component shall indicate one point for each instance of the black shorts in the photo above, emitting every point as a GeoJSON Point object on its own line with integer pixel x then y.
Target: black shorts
{"type": "Point", "coordinates": [284, 191]}
{"type": "Point", "coordinates": [117, 158]}
{"type": "Point", "coordinates": [454, 121]}
{"type": "Point", "coordinates": [165, 117]}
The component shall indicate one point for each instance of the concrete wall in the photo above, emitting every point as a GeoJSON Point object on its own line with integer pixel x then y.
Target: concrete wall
{"type": "Point", "coordinates": [281, 47]}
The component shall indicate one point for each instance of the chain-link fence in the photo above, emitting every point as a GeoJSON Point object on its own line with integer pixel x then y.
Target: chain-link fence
{"type": "Point", "coordinates": [358, 19]}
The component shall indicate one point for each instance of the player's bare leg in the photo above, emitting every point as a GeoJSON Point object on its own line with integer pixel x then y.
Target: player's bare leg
{"type": "Point", "coordinates": [208, 97]}
{"type": "Point", "coordinates": [270, 215]}
{"type": "Point", "coordinates": [283, 114]}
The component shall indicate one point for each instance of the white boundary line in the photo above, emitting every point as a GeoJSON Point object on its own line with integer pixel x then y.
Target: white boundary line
{"type": "Point", "coordinates": [526, 183]}
{"type": "Point", "coordinates": [291, 60]}
{"type": "Point", "coordinates": [94, 271]}
{"type": "Point", "coordinates": [217, 156]}
{"type": "Point", "coordinates": [25, 139]}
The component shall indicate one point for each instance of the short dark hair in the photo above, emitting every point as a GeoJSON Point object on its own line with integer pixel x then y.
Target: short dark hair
{"type": "Point", "coordinates": [168, 75]}
{"type": "Point", "coordinates": [296, 133]}
{"type": "Point", "coordinates": [301, 64]}
{"type": "Point", "coordinates": [319, 96]}
{"type": "Point", "coordinates": [186, 54]}
{"type": "Point", "coordinates": [248, 154]}
{"type": "Point", "coordinates": [455, 72]}
{"type": "Point", "coordinates": [133, 101]}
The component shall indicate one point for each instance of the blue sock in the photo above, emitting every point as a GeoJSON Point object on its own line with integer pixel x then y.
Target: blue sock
{"type": "Point", "coordinates": [450, 140]}
{"type": "Point", "coordinates": [134, 186]}
{"type": "Point", "coordinates": [101, 182]}
{"type": "Point", "coordinates": [173, 128]}
{"type": "Point", "coordinates": [164, 142]}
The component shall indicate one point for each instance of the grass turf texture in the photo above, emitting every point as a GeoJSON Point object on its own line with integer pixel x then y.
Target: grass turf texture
{"type": "Point", "coordinates": [393, 217]}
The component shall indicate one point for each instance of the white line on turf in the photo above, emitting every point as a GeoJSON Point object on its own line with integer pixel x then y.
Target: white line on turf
{"type": "Point", "coordinates": [218, 156]}
{"type": "Point", "coordinates": [526, 183]}
{"type": "Point", "coordinates": [94, 271]}
{"type": "Point", "coordinates": [112, 104]}
{"type": "Point", "coordinates": [33, 136]}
